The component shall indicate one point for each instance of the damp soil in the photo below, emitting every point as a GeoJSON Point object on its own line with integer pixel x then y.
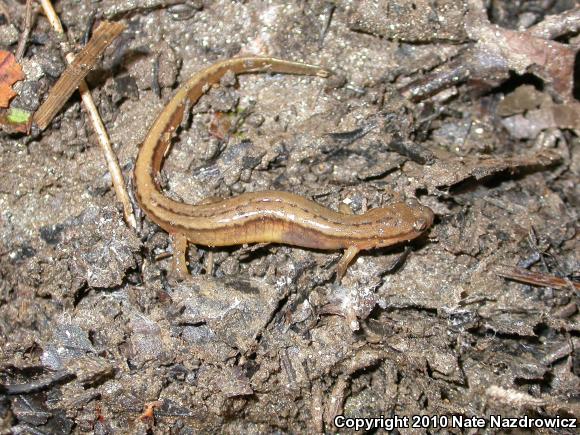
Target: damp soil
{"type": "Point", "coordinates": [98, 335]}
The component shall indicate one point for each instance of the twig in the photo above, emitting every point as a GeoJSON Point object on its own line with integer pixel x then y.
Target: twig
{"type": "Point", "coordinates": [51, 16]}
{"type": "Point", "coordinates": [25, 32]}
{"type": "Point", "coordinates": [554, 26]}
{"type": "Point", "coordinates": [512, 397]}
{"type": "Point", "coordinates": [101, 132]}
{"type": "Point", "coordinates": [535, 278]}
{"type": "Point", "coordinates": [316, 409]}
{"type": "Point", "coordinates": [452, 73]}
{"type": "Point", "coordinates": [335, 404]}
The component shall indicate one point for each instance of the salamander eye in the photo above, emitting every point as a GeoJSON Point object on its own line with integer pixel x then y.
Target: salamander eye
{"type": "Point", "coordinates": [420, 225]}
{"type": "Point", "coordinates": [412, 202]}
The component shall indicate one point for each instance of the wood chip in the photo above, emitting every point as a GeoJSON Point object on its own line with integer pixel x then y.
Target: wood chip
{"type": "Point", "coordinates": [76, 72]}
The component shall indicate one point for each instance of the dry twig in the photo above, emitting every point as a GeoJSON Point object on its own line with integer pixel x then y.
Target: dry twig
{"type": "Point", "coordinates": [25, 32]}
{"type": "Point", "coordinates": [554, 26]}
{"type": "Point", "coordinates": [535, 278]}
{"type": "Point", "coordinates": [101, 132]}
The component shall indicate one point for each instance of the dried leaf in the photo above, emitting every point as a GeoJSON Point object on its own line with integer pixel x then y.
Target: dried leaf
{"type": "Point", "coordinates": [524, 98]}
{"type": "Point", "coordinates": [548, 116]}
{"type": "Point", "coordinates": [524, 52]}
{"type": "Point", "coordinates": [10, 73]}
{"type": "Point", "coordinates": [550, 60]}
{"type": "Point", "coordinates": [498, 51]}
{"type": "Point", "coordinates": [447, 173]}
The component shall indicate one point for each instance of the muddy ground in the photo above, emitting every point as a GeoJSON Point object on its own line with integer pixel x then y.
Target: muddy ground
{"type": "Point", "coordinates": [96, 333]}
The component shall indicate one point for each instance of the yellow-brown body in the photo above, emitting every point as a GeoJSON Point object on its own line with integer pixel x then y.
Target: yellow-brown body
{"type": "Point", "coordinates": [261, 217]}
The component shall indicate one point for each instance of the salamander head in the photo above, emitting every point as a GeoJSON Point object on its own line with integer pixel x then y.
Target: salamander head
{"type": "Point", "coordinates": [400, 221]}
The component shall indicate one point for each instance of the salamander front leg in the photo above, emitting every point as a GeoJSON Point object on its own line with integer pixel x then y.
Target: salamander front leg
{"type": "Point", "coordinates": [345, 261]}
{"type": "Point", "coordinates": [179, 242]}
{"type": "Point", "coordinates": [208, 263]}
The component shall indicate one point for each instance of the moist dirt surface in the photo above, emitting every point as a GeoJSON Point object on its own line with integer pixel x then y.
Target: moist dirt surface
{"type": "Point", "coordinates": [468, 106]}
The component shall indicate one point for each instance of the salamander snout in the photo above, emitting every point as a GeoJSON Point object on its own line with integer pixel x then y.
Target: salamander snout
{"type": "Point", "coordinates": [422, 217]}
{"type": "Point", "coordinates": [420, 225]}
{"type": "Point", "coordinates": [396, 222]}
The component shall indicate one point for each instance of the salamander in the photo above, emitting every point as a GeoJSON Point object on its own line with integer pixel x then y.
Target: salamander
{"type": "Point", "coordinates": [260, 217]}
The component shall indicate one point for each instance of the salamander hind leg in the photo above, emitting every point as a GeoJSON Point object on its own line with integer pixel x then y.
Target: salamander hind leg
{"type": "Point", "coordinates": [345, 208]}
{"type": "Point", "coordinates": [179, 242]}
{"type": "Point", "coordinates": [345, 261]}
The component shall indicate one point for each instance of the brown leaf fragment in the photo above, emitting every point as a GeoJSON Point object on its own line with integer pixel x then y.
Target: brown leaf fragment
{"type": "Point", "coordinates": [525, 97]}
{"type": "Point", "coordinates": [549, 116]}
{"type": "Point", "coordinates": [10, 73]}
{"type": "Point", "coordinates": [447, 173]}
{"type": "Point", "coordinates": [76, 72]}
{"type": "Point", "coordinates": [524, 52]}
{"type": "Point", "coordinates": [550, 60]}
